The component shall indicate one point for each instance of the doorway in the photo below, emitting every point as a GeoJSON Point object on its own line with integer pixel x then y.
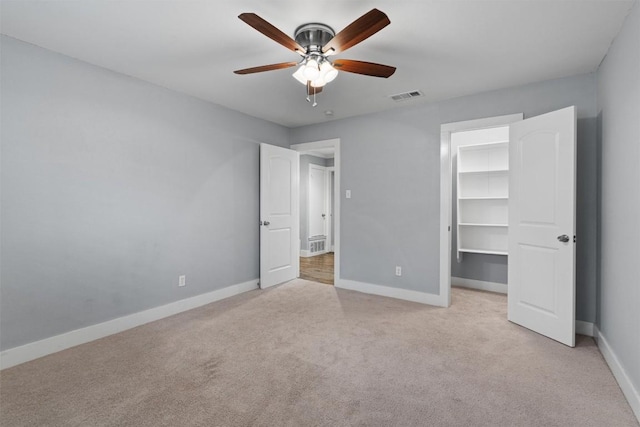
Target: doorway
{"type": "Point", "coordinates": [515, 197]}
{"type": "Point", "coordinates": [319, 210]}
{"type": "Point", "coordinates": [466, 260]}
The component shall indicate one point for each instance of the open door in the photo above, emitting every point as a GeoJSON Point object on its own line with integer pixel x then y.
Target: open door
{"type": "Point", "coordinates": [318, 196]}
{"type": "Point", "coordinates": [279, 215]}
{"type": "Point", "coordinates": [542, 161]}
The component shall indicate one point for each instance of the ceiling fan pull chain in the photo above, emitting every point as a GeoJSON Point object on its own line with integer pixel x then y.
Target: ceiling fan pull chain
{"type": "Point", "coordinates": [314, 98]}
{"type": "Point", "coordinates": [308, 92]}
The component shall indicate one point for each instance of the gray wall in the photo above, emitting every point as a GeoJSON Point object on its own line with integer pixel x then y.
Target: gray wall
{"type": "Point", "coordinates": [619, 130]}
{"type": "Point", "coordinates": [305, 161]}
{"type": "Point", "coordinates": [391, 162]}
{"type": "Point", "coordinates": [111, 188]}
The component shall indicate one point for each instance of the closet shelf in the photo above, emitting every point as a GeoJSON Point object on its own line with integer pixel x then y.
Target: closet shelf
{"type": "Point", "coordinates": [483, 251]}
{"type": "Point", "coordinates": [483, 145]}
{"type": "Point", "coordinates": [475, 224]}
{"type": "Point", "coordinates": [483, 176]}
{"type": "Point", "coordinates": [484, 172]}
{"type": "Point", "coordinates": [485, 198]}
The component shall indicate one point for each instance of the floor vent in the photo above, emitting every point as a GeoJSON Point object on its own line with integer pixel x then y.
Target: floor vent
{"type": "Point", "coordinates": [406, 95]}
{"type": "Point", "coordinates": [316, 245]}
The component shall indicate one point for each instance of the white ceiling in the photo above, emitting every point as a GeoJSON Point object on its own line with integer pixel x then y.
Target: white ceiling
{"type": "Point", "coordinates": [445, 49]}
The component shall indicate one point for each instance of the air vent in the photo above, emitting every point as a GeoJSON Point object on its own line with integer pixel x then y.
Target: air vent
{"type": "Point", "coordinates": [406, 95]}
{"type": "Point", "coordinates": [317, 244]}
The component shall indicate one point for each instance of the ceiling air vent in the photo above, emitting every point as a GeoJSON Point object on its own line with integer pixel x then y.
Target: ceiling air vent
{"type": "Point", "coordinates": [406, 95]}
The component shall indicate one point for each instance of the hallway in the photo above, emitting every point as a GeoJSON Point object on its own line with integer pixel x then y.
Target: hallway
{"type": "Point", "coordinates": [317, 268]}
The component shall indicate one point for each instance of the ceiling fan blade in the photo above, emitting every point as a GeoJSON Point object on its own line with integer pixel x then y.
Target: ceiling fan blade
{"type": "Point", "coordinates": [360, 29]}
{"type": "Point", "coordinates": [270, 31]}
{"type": "Point", "coordinates": [262, 68]}
{"type": "Point", "coordinates": [362, 67]}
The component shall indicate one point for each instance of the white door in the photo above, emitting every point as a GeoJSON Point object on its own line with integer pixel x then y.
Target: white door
{"type": "Point", "coordinates": [279, 215]}
{"type": "Point", "coordinates": [317, 201]}
{"type": "Point", "coordinates": [542, 162]}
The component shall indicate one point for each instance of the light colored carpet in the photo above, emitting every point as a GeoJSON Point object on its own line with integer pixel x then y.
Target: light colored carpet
{"type": "Point", "coordinates": [306, 354]}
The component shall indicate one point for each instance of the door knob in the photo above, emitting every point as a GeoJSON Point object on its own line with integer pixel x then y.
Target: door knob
{"type": "Point", "coordinates": [266, 223]}
{"type": "Point", "coordinates": [564, 238]}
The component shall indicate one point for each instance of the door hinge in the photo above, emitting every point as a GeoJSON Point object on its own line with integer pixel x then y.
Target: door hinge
{"type": "Point", "coordinates": [574, 239]}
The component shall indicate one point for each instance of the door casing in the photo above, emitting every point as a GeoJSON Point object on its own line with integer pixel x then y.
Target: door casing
{"type": "Point", "coordinates": [335, 143]}
{"type": "Point", "coordinates": [446, 212]}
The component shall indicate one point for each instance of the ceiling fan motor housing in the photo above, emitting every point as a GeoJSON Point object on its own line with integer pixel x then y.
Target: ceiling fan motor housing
{"type": "Point", "coordinates": [313, 36]}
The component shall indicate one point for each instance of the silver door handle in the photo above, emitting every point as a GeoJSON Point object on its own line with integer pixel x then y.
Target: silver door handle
{"type": "Point", "coordinates": [564, 238]}
{"type": "Point", "coordinates": [264, 223]}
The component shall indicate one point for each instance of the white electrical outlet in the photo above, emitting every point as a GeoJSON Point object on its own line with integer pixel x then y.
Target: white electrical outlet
{"type": "Point", "coordinates": [182, 281]}
{"type": "Point", "coordinates": [398, 270]}
{"type": "Point", "coordinates": [347, 194]}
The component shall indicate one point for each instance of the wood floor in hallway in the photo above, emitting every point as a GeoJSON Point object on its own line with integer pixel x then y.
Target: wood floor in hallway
{"type": "Point", "coordinates": [318, 268]}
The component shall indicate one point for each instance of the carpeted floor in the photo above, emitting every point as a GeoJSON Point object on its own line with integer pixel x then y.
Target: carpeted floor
{"type": "Point", "coordinates": [306, 354]}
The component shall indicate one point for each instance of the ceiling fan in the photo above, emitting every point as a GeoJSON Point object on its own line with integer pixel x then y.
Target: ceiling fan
{"type": "Point", "coordinates": [316, 42]}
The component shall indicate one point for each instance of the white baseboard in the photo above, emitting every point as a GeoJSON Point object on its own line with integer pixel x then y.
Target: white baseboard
{"type": "Point", "coordinates": [584, 328]}
{"type": "Point", "coordinates": [307, 254]}
{"type": "Point", "coordinates": [479, 284]}
{"type": "Point", "coordinates": [15, 356]}
{"type": "Point", "coordinates": [628, 389]}
{"type": "Point", "coordinates": [387, 291]}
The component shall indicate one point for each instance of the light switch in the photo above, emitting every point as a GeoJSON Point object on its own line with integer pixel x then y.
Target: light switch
{"type": "Point", "coordinates": [348, 194]}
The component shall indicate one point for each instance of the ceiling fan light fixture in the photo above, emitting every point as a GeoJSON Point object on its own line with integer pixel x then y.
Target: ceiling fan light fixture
{"type": "Point", "coordinates": [327, 72]}
{"type": "Point", "coordinates": [319, 82]}
{"type": "Point", "coordinates": [311, 70]}
{"type": "Point", "coordinates": [299, 75]}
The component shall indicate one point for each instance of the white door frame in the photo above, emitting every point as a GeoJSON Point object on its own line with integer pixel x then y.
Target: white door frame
{"type": "Point", "coordinates": [446, 191]}
{"type": "Point", "coordinates": [330, 170]}
{"type": "Point", "coordinates": [335, 143]}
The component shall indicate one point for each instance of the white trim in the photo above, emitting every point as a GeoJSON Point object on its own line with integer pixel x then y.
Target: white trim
{"type": "Point", "coordinates": [445, 215]}
{"type": "Point", "coordinates": [487, 122]}
{"type": "Point", "coordinates": [305, 253]}
{"type": "Point", "coordinates": [628, 389]}
{"type": "Point", "coordinates": [17, 355]}
{"type": "Point", "coordinates": [330, 170]}
{"type": "Point", "coordinates": [335, 143]}
{"type": "Point", "coordinates": [479, 284]}
{"type": "Point", "coordinates": [446, 129]}
{"type": "Point", "coordinates": [585, 328]}
{"type": "Point", "coordinates": [386, 291]}
{"type": "Point", "coordinates": [311, 146]}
